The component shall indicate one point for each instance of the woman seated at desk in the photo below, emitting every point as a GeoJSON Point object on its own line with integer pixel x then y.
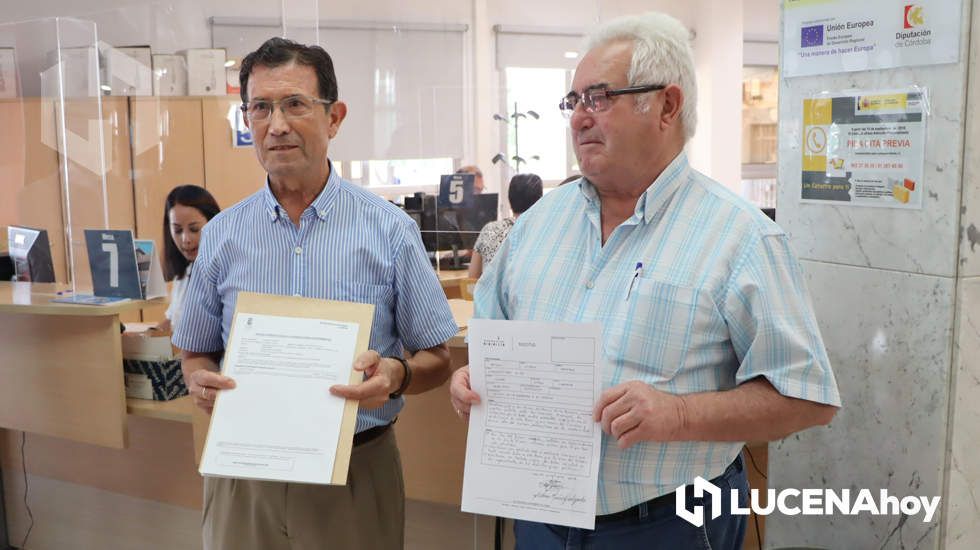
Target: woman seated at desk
{"type": "Point", "coordinates": [188, 208]}
{"type": "Point", "coordinates": [524, 190]}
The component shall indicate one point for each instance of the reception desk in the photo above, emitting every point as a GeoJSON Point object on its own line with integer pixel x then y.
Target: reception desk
{"type": "Point", "coordinates": [63, 406]}
{"type": "Point", "coordinates": [60, 366]}
{"type": "Point", "coordinates": [110, 470]}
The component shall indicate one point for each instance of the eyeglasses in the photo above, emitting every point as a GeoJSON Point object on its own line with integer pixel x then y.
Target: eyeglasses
{"type": "Point", "coordinates": [596, 100]}
{"type": "Point", "coordinates": [295, 106]}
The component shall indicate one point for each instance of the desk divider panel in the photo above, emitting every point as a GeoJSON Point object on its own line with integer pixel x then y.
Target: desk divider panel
{"type": "Point", "coordinates": [62, 376]}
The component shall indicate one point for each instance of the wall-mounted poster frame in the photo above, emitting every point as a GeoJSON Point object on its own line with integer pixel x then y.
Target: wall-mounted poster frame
{"type": "Point", "coordinates": [836, 36]}
{"type": "Point", "coordinates": [865, 148]}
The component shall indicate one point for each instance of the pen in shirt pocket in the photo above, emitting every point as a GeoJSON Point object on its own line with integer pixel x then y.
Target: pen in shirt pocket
{"type": "Point", "coordinates": [636, 275]}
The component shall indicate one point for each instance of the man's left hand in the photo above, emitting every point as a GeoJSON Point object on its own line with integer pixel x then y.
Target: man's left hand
{"type": "Point", "coordinates": [634, 411]}
{"type": "Point", "coordinates": [383, 377]}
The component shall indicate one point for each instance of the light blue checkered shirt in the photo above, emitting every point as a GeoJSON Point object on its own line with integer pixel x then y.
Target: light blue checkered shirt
{"type": "Point", "coordinates": [720, 300]}
{"type": "Point", "coordinates": [351, 245]}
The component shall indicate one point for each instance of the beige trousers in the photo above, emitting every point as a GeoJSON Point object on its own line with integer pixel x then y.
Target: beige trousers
{"type": "Point", "coordinates": [368, 513]}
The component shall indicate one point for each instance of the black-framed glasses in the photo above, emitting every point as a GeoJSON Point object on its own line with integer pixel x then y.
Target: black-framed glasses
{"type": "Point", "coordinates": [294, 106]}
{"type": "Point", "coordinates": [596, 100]}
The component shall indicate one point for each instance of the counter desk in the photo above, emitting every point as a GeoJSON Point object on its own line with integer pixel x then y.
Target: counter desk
{"type": "Point", "coordinates": [121, 473]}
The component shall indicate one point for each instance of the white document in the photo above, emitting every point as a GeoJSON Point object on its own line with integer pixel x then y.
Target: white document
{"type": "Point", "coordinates": [532, 452]}
{"type": "Point", "coordinates": [280, 422]}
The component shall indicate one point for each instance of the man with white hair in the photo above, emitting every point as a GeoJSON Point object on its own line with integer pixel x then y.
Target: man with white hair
{"type": "Point", "coordinates": [708, 332]}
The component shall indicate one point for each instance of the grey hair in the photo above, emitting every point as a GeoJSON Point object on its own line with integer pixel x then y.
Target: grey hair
{"type": "Point", "coordinates": [661, 55]}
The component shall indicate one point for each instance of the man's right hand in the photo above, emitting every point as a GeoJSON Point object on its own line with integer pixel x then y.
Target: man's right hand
{"type": "Point", "coordinates": [460, 394]}
{"type": "Point", "coordinates": [203, 386]}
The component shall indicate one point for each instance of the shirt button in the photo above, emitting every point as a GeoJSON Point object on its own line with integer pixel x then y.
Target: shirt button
{"type": "Point", "coordinates": [590, 285]}
{"type": "Point", "coordinates": [298, 250]}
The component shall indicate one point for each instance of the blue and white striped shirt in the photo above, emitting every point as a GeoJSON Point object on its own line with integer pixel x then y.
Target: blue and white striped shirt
{"type": "Point", "coordinates": [720, 300]}
{"type": "Point", "coordinates": [351, 245]}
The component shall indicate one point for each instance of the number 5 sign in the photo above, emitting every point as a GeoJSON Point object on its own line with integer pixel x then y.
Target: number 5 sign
{"type": "Point", "coordinates": [456, 190]}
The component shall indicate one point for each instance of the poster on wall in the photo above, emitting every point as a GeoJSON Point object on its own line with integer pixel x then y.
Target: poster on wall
{"type": "Point", "coordinates": [865, 148]}
{"type": "Point", "coordinates": [835, 36]}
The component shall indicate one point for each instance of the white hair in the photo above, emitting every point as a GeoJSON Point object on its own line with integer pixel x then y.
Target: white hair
{"type": "Point", "coordinates": [661, 55]}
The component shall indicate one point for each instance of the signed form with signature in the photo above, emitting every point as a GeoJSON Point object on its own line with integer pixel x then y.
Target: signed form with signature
{"type": "Point", "coordinates": [532, 452]}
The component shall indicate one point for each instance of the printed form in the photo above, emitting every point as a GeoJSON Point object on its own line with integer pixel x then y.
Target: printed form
{"type": "Point", "coordinates": [532, 452]}
{"type": "Point", "coordinates": [280, 422]}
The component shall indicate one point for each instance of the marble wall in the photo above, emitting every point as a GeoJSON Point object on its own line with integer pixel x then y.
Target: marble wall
{"type": "Point", "coordinates": [963, 481]}
{"type": "Point", "coordinates": [892, 362]}
{"type": "Point", "coordinates": [962, 520]}
{"type": "Point", "coordinates": [896, 294]}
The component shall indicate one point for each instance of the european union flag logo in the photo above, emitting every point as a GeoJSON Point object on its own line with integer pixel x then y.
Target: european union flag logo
{"type": "Point", "coordinates": [811, 36]}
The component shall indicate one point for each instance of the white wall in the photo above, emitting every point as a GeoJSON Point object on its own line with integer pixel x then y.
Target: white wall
{"type": "Point", "coordinates": [716, 148]}
{"type": "Point", "coordinates": [174, 25]}
{"type": "Point", "coordinates": [761, 19]}
{"type": "Point", "coordinates": [580, 13]}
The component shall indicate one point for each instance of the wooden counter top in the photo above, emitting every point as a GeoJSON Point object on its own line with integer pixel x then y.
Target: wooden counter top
{"type": "Point", "coordinates": [462, 313]}
{"type": "Point", "coordinates": [452, 274]}
{"type": "Point", "coordinates": [36, 298]}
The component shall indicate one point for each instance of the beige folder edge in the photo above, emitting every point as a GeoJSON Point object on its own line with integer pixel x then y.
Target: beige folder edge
{"type": "Point", "coordinates": [312, 308]}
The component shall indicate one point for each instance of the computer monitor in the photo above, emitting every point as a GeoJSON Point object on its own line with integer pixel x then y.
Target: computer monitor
{"type": "Point", "coordinates": [413, 207]}
{"type": "Point", "coordinates": [460, 226]}
{"type": "Point", "coordinates": [471, 219]}
{"type": "Point", "coordinates": [452, 229]}
{"type": "Point", "coordinates": [414, 202]}
{"type": "Point", "coordinates": [416, 217]}
{"type": "Point", "coordinates": [6, 272]}
{"type": "Point", "coordinates": [30, 252]}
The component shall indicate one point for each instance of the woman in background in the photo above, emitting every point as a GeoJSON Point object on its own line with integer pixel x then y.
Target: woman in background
{"type": "Point", "coordinates": [187, 209]}
{"type": "Point", "coordinates": [523, 192]}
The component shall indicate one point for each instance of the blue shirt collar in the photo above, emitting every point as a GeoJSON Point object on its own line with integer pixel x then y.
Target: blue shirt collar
{"type": "Point", "coordinates": [320, 206]}
{"type": "Point", "coordinates": [656, 196]}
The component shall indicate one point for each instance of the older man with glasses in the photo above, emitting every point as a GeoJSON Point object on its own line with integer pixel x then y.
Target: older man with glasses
{"type": "Point", "coordinates": [708, 332]}
{"type": "Point", "coordinates": [308, 232]}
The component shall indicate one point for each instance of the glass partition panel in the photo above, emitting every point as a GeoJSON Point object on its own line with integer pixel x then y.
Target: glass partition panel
{"type": "Point", "coordinates": [55, 167]}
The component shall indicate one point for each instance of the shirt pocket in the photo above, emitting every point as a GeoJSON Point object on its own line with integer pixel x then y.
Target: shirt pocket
{"type": "Point", "coordinates": [381, 296]}
{"type": "Point", "coordinates": [662, 327]}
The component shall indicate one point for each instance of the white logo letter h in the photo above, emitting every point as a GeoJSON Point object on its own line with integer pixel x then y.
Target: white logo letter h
{"type": "Point", "coordinates": [696, 517]}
